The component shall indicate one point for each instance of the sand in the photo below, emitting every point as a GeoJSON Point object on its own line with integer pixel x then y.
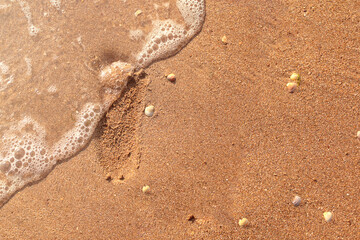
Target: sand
{"type": "Point", "coordinates": [226, 142]}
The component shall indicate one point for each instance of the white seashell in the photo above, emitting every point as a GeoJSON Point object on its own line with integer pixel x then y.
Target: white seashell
{"type": "Point", "coordinates": [138, 12]}
{"type": "Point", "coordinates": [328, 216]}
{"type": "Point", "coordinates": [171, 77]}
{"type": "Point", "coordinates": [296, 201]}
{"type": "Point", "coordinates": [295, 77]}
{"type": "Point", "coordinates": [291, 87]}
{"type": "Point", "coordinates": [224, 40]}
{"type": "Point", "coordinates": [243, 222]}
{"type": "Point", "coordinates": [145, 189]}
{"type": "Point", "coordinates": [149, 111]}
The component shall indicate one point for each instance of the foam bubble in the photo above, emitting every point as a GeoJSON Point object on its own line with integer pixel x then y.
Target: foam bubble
{"type": "Point", "coordinates": [77, 137]}
{"type": "Point", "coordinates": [4, 68]}
{"type": "Point", "coordinates": [33, 31]}
{"type": "Point", "coordinates": [28, 66]}
{"type": "Point", "coordinates": [26, 157]}
{"type": "Point", "coordinates": [52, 89]}
{"type": "Point", "coordinates": [3, 6]}
{"type": "Point", "coordinates": [56, 3]}
{"type": "Point", "coordinates": [5, 77]}
{"type": "Point", "coordinates": [136, 34]}
{"type": "Point", "coordinates": [169, 37]}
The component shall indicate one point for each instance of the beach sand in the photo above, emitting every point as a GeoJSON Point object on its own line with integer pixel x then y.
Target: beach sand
{"type": "Point", "coordinates": [227, 140]}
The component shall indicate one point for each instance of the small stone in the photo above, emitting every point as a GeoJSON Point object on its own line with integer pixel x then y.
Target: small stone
{"type": "Point", "coordinates": [291, 87]}
{"type": "Point", "coordinates": [138, 12]}
{"type": "Point", "coordinates": [358, 134]}
{"type": "Point", "coordinates": [171, 77]}
{"type": "Point", "coordinates": [224, 40]}
{"type": "Point", "coordinates": [145, 189]}
{"type": "Point", "coordinates": [191, 218]}
{"type": "Point", "coordinates": [243, 222]}
{"type": "Point", "coordinates": [108, 177]}
{"type": "Point", "coordinates": [149, 111]}
{"type": "Point", "coordinates": [328, 216]}
{"type": "Point", "coordinates": [296, 201]}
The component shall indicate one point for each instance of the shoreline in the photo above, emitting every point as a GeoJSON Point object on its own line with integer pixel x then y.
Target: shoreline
{"type": "Point", "coordinates": [227, 140]}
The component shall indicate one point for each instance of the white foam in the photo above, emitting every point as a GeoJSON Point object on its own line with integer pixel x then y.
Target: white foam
{"type": "Point", "coordinates": [4, 68]}
{"type": "Point", "coordinates": [3, 6]}
{"type": "Point", "coordinates": [33, 31]}
{"type": "Point", "coordinates": [25, 8]}
{"type": "Point", "coordinates": [75, 139]}
{"type": "Point", "coordinates": [28, 66]}
{"type": "Point", "coordinates": [25, 156]}
{"type": "Point", "coordinates": [52, 89]}
{"type": "Point", "coordinates": [169, 37]}
{"type": "Point", "coordinates": [136, 34]}
{"type": "Point", "coordinates": [5, 77]}
{"type": "Point", "coordinates": [56, 4]}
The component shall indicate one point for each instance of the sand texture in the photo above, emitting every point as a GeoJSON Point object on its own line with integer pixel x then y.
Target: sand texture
{"type": "Point", "coordinates": [227, 140]}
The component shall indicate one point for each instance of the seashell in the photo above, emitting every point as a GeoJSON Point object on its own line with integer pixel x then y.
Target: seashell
{"type": "Point", "coordinates": [243, 222]}
{"type": "Point", "coordinates": [171, 77]}
{"type": "Point", "coordinates": [296, 201]}
{"type": "Point", "coordinates": [291, 87]}
{"type": "Point", "coordinates": [149, 111]}
{"type": "Point", "coordinates": [145, 189]}
{"type": "Point", "coordinates": [328, 216]}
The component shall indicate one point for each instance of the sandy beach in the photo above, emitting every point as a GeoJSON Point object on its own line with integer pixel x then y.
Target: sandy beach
{"type": "Point", "coordinates": [227, 140]}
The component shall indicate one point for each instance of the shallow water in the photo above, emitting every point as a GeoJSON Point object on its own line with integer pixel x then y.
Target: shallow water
{"type": "Point", "coordinates": [58, 76]}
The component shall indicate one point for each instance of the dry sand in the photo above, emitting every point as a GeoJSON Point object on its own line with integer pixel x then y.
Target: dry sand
{"type": "Point", "coordinates": [227, 141]}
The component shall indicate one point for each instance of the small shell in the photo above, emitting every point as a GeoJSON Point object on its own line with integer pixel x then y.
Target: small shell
{"type": "Point", "coordinates": [328, 216]}
{"type": "Point", "coordinates": [295, 77]}
{"type": "Point", "coordinates": [138, 12]}
{"type": "Point", "coordinates": [296, 201]}
{"type": "Point", "coordinates": [145, 189]}
{"type": "Point", "coordinates": [171, 77]}
{"type": "Point", "coordinates": [243, 222]}
{"type": "Point", "coordinates": [358, 134]}
{"type": "Point", "coordinates": [224, 40]}
{"type": "Point", "coordinates": [149, 111]}
{"type": "Point", "coordinates": [291, 87]}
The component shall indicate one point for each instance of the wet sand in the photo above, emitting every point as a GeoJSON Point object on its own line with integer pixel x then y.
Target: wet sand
{"type": "Point", "coordinates": [227, 140]}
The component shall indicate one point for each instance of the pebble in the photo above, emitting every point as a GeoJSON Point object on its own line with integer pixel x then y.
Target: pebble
{"type": "Point", "coordinates": [358, 134]}
{"type": "Point", "coordinates": [296, 201]}
{"type": "Point", "coordinates": [291, 87]}
{"type": "Point", "coordinates": [191, 218]}
{"type": "Point", "coordinates": [328, 216]}
{"type": "Point", "coordinates": [145, 189]}
{"type": "Point", "coordinates": [243, 222]}
{"type": "Point", "coordinates": [224, 40]}
{"type": "Point", "coordinates": [149, 111]}
{"type": "Point", "coordinates": [171, 77]}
